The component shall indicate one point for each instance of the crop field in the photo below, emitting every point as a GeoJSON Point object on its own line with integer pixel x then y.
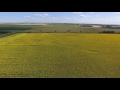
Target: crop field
{"type": "Point", "coordinates": [53, 28]}
{"type": "Point", "coordinates": [60, 55]}
{"type": "Point", "coordinates": [16, 28]}
{"type": "Point", "coordinates": [66, 28]}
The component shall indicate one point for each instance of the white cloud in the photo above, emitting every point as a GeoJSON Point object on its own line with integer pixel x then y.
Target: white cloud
{"type": "Point", "coordinates": [80, 17]}
{"type": "Point", "coordinates": [41, 15]}
{"type": "Point", "coordinates": [81, 12]}
{"type": "Point", "coordinates": [77, 12]}
{"type": "Point", "coordinates": [117, 12]}
{"type": "Point", "coordinates": [26, 16]}
{"type": "Point", "coordinates": [91, 12]}
{"type": "Point", "coordinates": [83, 15]}
{"type": "Point", "coordinates": [45, 14]}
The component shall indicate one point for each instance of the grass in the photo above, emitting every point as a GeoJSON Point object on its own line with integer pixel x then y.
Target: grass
{"type": "Point", "coordinates": [16, 28]}
{"type": "Point", "coordinates": [60, 55]}
{"type": "Point", "coordinates": [6, 30]}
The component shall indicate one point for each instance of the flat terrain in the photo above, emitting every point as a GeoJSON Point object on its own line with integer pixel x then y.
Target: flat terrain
{"type": "Point", "coordinates": [16, 28]}
{"type": "Point", "coordinates": [30, 24]}
{"type": "Point", "coordinates": [60, 55]}
{"type": "Point", "coordinates": [72, 28]}
{"type": "Point", "coordinates": [53, 28]}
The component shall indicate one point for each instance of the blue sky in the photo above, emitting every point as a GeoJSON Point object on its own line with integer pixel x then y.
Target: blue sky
{"type": "Point", "coordinates": [62, 17]}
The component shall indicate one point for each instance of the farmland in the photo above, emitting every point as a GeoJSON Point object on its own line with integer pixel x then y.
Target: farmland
{"type": "Point", "coordinates": [72, 28]}
{"type": "Point", "coordinates": [53, 28]}
{"type": "Point", "coordinates": [15, 28]}
{"type": "Point", "coordinates": [60, 55]}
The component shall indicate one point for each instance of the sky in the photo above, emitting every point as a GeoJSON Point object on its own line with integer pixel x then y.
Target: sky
{"type": "Point", "coordinates": [61, 17]}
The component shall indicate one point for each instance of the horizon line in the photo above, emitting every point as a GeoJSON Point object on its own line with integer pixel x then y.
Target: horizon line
{"type": "Point", "coordinates": [55, 22]}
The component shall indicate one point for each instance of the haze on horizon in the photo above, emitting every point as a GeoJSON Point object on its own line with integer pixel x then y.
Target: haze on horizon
{"type": "Point", "coordinates": [61, 17]}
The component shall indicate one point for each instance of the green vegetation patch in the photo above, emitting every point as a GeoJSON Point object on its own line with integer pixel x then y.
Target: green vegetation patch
{"type": "Point", "coordinates": [16, 28]}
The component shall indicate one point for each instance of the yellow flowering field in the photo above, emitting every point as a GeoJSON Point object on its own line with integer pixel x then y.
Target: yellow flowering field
{"type": "Point", "coordinates": [60, 55]}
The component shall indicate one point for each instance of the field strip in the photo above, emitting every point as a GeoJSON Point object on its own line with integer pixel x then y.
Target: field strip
{"type": "Point", "coordinates": [10, 38]}
{"type": "Point", "coordinates": [30, 24]}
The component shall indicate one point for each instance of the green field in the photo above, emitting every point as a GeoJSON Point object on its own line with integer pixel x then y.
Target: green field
{"type": "Point", "coordinates": [60, 55]}
{"type": "Point", "coordinates": [6, 29]}
{"type": "Point", "coordinates": [54, 28]}
{"type": "Point", "coordinates": [16, 28]}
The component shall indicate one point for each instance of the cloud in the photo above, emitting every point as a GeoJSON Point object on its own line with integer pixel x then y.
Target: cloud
{"type": "Point", "coordinates": [77, 12]}
{"type": "Point", "coordinates": [45, 14]}
{"type": "Point", "coordinates": [83, 15]}
{"type": "Point", "coordinates": [54, 18]}
{"type": "Point", "coordinates": [41, 15]}
{"type": "Point", "coordinates": [26, 16]}
{"type": "Point", "coordinates": [117, 12]}
{"type": "Point", "coordinates": [81, 12]}
{"type": "Point", "coordinates": [91, 12]}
